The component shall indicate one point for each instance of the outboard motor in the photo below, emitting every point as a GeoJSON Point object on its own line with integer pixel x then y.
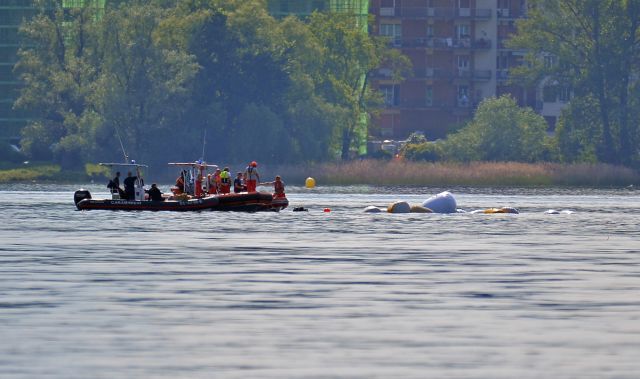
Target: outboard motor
{"type": "Point", "coordinates": [80, 195]}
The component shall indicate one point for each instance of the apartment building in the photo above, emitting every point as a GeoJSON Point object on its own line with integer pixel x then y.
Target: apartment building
{"type": "Point", "coordinates": [459, 57]}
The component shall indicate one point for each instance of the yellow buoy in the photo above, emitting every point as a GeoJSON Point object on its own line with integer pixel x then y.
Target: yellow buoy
{"type": "Point", "coordinates": [310, 182]}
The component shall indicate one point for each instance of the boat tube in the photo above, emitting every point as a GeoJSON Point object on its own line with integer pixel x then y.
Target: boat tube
{"type": "Point", "coordinates": [245, 202]}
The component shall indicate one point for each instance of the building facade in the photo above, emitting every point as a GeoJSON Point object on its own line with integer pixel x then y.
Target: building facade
{"type": "Point", "coordinates": [459, 58]}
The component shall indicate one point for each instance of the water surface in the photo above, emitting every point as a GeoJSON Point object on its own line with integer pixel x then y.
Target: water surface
{"type": "Point", "coordinates": [343, 294]}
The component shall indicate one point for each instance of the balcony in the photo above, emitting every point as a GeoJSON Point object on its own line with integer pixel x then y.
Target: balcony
{"type": "Point", "coordinates": [432, 73]}
{"type": "Point", "coordinates": [425, 104]}
{"type": "Point", "coordinates": [442, 43]}
{"type": "Point", "coordinates": [381, 74]}
{"type": "Point", "coordinates": [502, 75]}
{"type": "Point", "coordinates": [438, 13]}
{"type": "Point", "coordinates": [444, 74]}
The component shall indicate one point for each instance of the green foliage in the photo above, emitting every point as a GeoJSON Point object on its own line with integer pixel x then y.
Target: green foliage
{"type": "Point", "coordinates": [346, 58]}
{"type": "Point", "coordinates": [417, 148]}
{"type": "Point", "coordinates": [578, 133]}
{"type": "Point", "coordinates": [499, 131]}
{"type": "Point", "coordinates": [95, 170]}
{"type": "Point", "coordinates": [262, 133]}
{"type": "Point", "coordinates": [416, 138]}
{"type": "Point", "coordinates": [45, 172]}
{"type": "Point", "coordinates": [592, 47]}
{"type": "Point", "coordinates": [424, 151]}
{"type": "Point", "coordinates": [156, 78]}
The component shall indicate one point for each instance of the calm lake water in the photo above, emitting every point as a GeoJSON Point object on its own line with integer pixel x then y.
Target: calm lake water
{"type": "Point", "coordinates": [344, 294]}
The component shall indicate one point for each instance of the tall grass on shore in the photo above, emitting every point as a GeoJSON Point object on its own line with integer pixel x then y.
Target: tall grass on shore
{"type": "Point", "coordinates": [28, 174]}
{"type": "Point", "coordinates": [400, 172]}
{"type": "Point", "coordinates": [396, 172]}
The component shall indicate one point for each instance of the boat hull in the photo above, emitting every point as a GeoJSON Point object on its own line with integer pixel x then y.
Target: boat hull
{"type": "Point", "coordinates": [241, 202]}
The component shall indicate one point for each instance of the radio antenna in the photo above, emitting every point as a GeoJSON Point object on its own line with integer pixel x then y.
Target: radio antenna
{"type": "Point", "coordinates": [124, 152]}
{"type": "Point", "coordinates": [204, 143]}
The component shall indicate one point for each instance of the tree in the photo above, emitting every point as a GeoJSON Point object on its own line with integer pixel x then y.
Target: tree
{"type": "Point", "coordinates": [58, 66]}
{"type": "Point", "coordinates": [144, 83]}
{"type": "Point", "coordinates": [499, 131]}
{"type": "Point", "coordinates": [348, 56]}
{"type": "Point", "coordinates": [94, 82]}
{"type": "Point", "coordinates": [592, 46]}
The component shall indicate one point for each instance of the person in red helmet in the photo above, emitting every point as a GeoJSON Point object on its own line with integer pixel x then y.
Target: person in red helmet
{"type": "Point", "coordinates": [251, 176]}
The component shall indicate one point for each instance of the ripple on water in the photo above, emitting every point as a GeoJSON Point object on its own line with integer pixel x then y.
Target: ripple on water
{"type": "Point", "coordinates": [323, 295]}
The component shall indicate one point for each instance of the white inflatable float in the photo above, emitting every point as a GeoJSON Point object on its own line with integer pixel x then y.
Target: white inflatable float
{"type": "Point", "coordinates": [444, 202]}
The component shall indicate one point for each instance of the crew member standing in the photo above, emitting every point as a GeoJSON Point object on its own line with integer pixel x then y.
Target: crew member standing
{"type": "Point", "coordinates": [114, 186]}
{"type": "Point", "coordinates": [129, 186]}
{"type": "Point", "coordinates": [252, 177]}
{"type": "Point", "coordinates": [225, 181]}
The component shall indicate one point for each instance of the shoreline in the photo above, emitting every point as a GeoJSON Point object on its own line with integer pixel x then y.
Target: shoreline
{"type": "Point", "coordinates": [399, 173]}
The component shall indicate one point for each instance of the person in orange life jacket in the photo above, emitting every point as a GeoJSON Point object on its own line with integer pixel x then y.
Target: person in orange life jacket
{"type": "Point", "coordinates": [215, 185]}
{"type": "Point", "coordinates": [180, 183]}
{"type": "Point", "coordinates": [225, 181]}
{"type": "Point", "coordinates": [278, 186]}
{"type": "Point", "coordinates": [251, 176]}
{"type": "Point", "coordinates": [238, 184]}
{"type": "Point", "coordinates": [211, 184]}
{"type": "Point", "coordinates": [216, 179]}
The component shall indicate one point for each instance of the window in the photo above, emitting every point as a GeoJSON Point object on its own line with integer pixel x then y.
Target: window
{"type": "Point", "coordinates": [429, 96]}
{"type": "Point", "coordinates": [389, 94]}
{"type": "Point", "coordinates": [549, 61]}
{"type": "Point", "coordinates": [391, 30]}
{"type": "Point", "coordinates": [502, 61]}
{"type": "Point", "coordinates": [564, 94]}
{"type": "Point", "coordinates": [462, 31]}
{"type": "Point", "coordinates": [429, 31]}
{"type": "Point", "coordinates": [463, 63]}
{"type": "Point", "coordinates": [463, 96]}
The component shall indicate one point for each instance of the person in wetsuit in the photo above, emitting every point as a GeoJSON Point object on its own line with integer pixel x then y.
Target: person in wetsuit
{"type": "Point", "coordinates": [155, 194]}
{"type": "Point", "coordinates": [114, 185]}
{"type": "Point", "coordinates": [129, 186]}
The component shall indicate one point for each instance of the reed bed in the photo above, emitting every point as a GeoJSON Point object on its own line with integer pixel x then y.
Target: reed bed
{"type": "Point", "coordinates": [399, 172]}
{"type": "Point", "coordinates": [27, 174]}
{"type": "Point", "coordinates": [406, 173]}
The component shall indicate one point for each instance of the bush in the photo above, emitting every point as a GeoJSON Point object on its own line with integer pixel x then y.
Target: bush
{"type": "Point", "coordinates": [381, 154]}
{"type": "Point", "coordinates": [426, 151]}
{"type": "Point", "coordinates": [500, 131]}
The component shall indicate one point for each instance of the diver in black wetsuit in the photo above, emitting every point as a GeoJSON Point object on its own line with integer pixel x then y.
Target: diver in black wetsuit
{"type": "Point", "coordinates": [114, 185]}
{"type": "Point", "coordinates": [129, 186]}
{"type": "Point", "coordinates": [154, 193]}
